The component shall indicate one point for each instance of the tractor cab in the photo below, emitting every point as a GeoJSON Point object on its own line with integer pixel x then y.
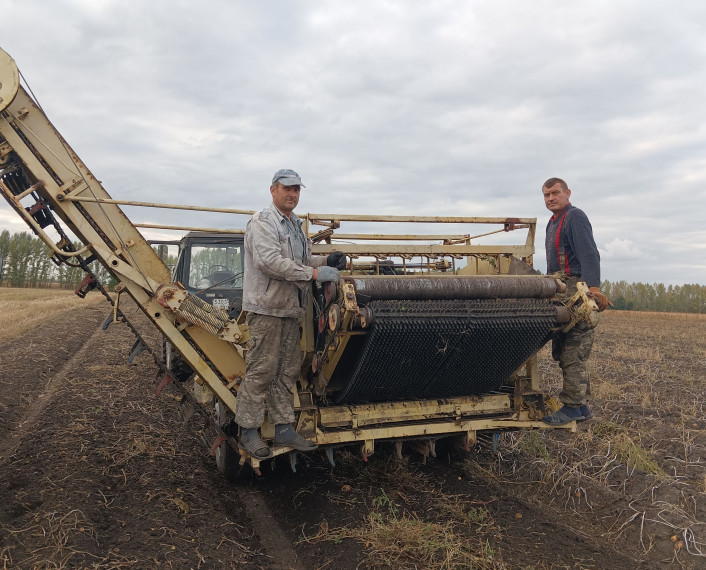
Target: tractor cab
{"type": "Point", "coordinates": [210, 266]}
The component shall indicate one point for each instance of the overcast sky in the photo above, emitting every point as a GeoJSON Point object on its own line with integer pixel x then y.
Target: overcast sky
{"type": "Point", "coordinates": [442, 107]}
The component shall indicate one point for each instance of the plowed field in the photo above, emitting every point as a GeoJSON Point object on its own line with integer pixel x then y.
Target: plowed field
{"type": "Point", "coordinates": [98, 472]}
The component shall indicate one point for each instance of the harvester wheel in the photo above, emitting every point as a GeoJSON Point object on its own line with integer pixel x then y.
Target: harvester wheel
{"type": "Point", "coordinates": [227, 458]}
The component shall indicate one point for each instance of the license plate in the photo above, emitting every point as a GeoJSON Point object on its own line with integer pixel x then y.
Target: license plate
{"type": "Point", "coordinates": [221, 303]}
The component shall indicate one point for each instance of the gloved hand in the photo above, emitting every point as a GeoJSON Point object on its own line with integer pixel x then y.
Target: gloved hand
{"type": "Point", "coordinates": [601, 300]}
{"type": "Point", "coordinates": [336, 259]}
{"type": "Point", "coordinates": [325, 273]}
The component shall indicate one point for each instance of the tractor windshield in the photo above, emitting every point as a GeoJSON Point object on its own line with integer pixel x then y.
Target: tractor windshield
{"type": "Point", "coordinates": [216, 266]}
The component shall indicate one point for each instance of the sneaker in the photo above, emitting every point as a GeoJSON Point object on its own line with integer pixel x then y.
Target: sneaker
{"type": "Point", "coordinates": [563, 416]}
{"type": "Point", "coordinates": [251, 443]}
{"type": "Point", "coordinates": [286, 436]}
{"type": "Point", "coordinates": [586, 413]}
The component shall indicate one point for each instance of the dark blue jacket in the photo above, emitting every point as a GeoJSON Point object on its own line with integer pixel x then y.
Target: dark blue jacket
{"type": "Point", "coordinates": [575, 253]}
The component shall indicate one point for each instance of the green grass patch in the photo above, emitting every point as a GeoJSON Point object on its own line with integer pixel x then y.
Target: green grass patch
{"type": "Point", "coordinates": [531, 443]}
{"type": "Point", "coordinates": [627, 450]}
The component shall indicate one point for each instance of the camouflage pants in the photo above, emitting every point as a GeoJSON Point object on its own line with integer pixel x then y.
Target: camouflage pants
{"type": "Point", "coordinates": [572, 350]}
{"type": "Point", "coordinates": [273, 360]}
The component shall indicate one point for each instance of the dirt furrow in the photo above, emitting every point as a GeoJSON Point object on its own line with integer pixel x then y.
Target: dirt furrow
{"type": "Point", "coordinates": [33, 365]}
{"type": "Point", "coordinates": [99, 472]}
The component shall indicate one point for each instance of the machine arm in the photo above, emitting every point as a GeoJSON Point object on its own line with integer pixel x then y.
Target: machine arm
{"type": "Point", "coordinates": [39, 172]}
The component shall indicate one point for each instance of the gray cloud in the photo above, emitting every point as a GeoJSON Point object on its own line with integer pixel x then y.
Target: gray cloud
{"type": "Point", "coordinates": [399, 107]}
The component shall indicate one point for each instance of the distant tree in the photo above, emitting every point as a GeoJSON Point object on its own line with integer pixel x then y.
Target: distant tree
{"type": "Point", "coordinates": [661, 301]}
{"type": "Point", "coordinates": [39, 254]}
{"type": "Point", "coordinates": [688, 298]}
{"type": "Point", "coordinates": [19, 259]}
{"type": "Point", "coordinates": [4, 250]}
{"type": "Point", "coordinates": [5, 238]}
{"type": "Point", "coordinates": [103, 275]}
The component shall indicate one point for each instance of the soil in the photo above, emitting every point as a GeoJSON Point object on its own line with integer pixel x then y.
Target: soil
{"type": "Point", "coordinates": [99, 472]}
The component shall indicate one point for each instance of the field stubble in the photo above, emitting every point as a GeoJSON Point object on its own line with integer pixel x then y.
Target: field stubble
{"type": "Point", "coordinates": [640, 465]}
{"type": "Point", "coordinates": [22, 310]}
{"type": "Point", "coordinates": [107, 477]}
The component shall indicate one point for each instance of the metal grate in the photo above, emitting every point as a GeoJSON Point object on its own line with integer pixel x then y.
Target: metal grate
{"type": "Point", "coordinates": [437, 349]}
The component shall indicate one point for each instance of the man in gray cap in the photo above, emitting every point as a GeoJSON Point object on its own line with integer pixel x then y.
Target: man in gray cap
{"type": "Point", "coordinates": [278, 268]}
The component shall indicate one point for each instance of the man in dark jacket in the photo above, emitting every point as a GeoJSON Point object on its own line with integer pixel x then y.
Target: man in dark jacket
{"type": "Point", "coordinates": [572, 254]}
{"type": "Point", "coordinates": [278, 267]}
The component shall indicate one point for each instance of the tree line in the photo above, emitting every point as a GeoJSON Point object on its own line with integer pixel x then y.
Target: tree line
{"type": "Point", "coordinates": [689, 298]}
{"type": "Point", "coordinates": [27, 263]}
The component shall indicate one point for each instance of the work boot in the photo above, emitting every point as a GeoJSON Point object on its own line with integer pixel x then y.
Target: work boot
{"type": "Point", "coordinates": [251, 442]}
{"type": "Point", "coordinates": [286, 436]}
{"type": "Point", "coordinates": [564, 416]}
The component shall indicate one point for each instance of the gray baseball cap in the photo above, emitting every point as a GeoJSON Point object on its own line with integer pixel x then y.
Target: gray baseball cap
{"type": "Point", "coordinates": [287, 177]}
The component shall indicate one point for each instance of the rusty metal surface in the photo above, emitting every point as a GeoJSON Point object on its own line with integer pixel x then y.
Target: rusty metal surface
{"type": "Point", "coordinates": [563, 314]}
{"type": "Point", "coordinates": [158, 205]}
{"type": "Point", "coordinates": [318, 218]}
{"type": "Point", "coordinates": [463, 238]}
{"type": "Point", "coordinates": [397, 249]}
{"type": "Point", "coordinates": [476, 287]}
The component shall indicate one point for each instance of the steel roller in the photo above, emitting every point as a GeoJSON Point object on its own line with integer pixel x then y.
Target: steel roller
{"type": "Point", "coordinates": [454, 287]}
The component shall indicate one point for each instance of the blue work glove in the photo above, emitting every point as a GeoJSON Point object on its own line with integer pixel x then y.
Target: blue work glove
{"type": "Point", "coordinates": [326, 273]}
{"type": "Point", "coordinates": [336, 259]}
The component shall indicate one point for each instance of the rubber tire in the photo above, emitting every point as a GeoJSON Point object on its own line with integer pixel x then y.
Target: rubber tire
{"type": "Point", "coordinates": [227, 458]}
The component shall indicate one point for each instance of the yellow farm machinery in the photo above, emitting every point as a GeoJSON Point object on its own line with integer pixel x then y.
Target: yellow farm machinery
{"type": "Point", "coordinates": [428, 335]}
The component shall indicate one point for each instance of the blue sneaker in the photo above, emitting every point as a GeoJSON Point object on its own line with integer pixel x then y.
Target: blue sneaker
{"type": "Point", "coordinates": [586, 413]}
{"type": "Point", "coordinates": [563, 416]}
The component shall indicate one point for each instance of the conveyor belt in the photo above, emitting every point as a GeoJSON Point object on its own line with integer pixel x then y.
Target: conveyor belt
{"type": "Point", "coordinates": [425, 349]}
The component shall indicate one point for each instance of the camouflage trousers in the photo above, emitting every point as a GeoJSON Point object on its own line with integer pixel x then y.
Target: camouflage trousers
{"type": "Point", "coordinates": [274, 360]}
{"type": "Point", "coordinates": [572, 349]}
